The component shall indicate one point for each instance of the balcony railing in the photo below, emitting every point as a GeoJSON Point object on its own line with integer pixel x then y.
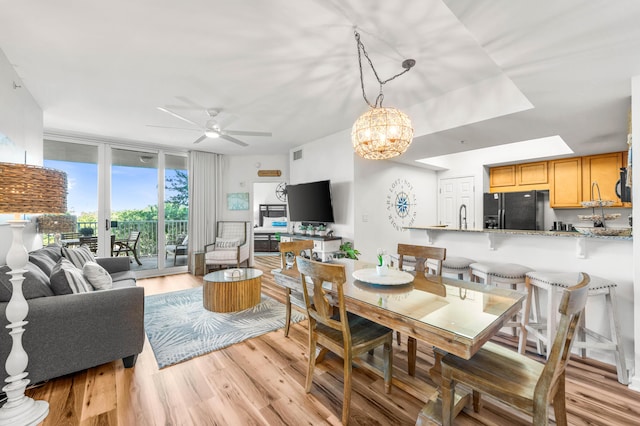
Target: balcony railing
{"type": "Point", "coordinates": [175, 231]}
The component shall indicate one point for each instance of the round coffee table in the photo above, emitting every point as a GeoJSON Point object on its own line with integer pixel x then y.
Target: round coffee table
{"type": "Point", "coordinates": [229, 294]}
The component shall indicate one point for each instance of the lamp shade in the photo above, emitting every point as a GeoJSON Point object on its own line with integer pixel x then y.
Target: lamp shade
{"type": "Point", "coordinates": [381, 133]}
{"type": "Point", "coordinates": [32, 189]}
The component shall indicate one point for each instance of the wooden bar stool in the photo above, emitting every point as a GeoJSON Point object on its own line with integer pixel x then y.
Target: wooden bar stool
{"type": "Point", "coordinates": [553, 283]}
{"type": "Point", "coordinates": [496, 274]}
{"type": "Point", "coordinates": [458, 266]}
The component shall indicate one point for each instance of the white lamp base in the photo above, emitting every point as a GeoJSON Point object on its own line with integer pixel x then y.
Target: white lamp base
{"type": "Point", "coordinates": [19, 409]}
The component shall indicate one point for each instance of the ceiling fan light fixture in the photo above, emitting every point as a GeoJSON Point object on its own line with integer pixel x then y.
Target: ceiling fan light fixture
{"type": "Point", "coordinates": [212, 133]}
{"type": "Point", "coordinates": [381, 132]}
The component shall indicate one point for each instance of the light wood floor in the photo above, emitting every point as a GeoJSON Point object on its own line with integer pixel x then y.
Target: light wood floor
{"type": "Point", "coordinates": [261, 382]}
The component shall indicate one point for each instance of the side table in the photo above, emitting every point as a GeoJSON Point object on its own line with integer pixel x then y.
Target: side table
{"type": "Point", "coordinates": [225, 294]}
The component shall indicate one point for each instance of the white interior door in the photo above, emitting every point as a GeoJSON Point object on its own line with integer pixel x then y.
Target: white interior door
{"type": "Point", "coordinates": [452, 194]}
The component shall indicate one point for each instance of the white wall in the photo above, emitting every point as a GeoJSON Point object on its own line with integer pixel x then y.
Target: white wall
{"type": "Point", "coordinates": [20, 119]}
{"type": "Point", "coordinates": [241, 172]}
{"type": "Point", "coordinates": [20, 133]}
{"type": "Point", "coordinates": [330, 158]}
{"type": "Point", "coordinates": [377, 224]}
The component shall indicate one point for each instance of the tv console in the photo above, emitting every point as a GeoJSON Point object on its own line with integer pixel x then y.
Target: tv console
{"type": "Point", "coordinates": [323, 247]}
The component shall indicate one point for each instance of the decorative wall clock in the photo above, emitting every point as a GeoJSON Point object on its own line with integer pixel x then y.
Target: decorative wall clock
{"type": "Point", "coordinates": [401, 204]}
{"type": "Point", "coordinates": [281, 192]}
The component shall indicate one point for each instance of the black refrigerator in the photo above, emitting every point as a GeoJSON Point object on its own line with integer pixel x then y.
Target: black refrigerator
{"type": "Point", "coordinates": [514, 210]}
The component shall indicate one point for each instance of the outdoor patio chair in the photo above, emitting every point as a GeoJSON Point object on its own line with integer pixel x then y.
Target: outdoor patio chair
{"type": "Point", "coordinates": [231, 246]}
{"type": "Point", "coordinates": [128, 247]}
{"type": "Point", "coordinates": [178, 249]}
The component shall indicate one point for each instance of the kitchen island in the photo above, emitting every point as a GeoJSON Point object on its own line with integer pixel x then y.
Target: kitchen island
{"type": "Point", "coordinates": [610, 257]}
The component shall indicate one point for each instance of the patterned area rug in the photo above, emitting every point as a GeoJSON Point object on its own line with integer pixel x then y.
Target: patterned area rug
{"type": "Point", "coordinates": [180, 328]}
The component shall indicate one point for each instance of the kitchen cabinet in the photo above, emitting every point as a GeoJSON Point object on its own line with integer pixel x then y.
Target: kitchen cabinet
{"type": "Point", "coordinates": [502, 177]}
{"type": "Point", "coordinates": [604, 169]}
{"type": "Point", "coordinates": [519, 177]}
{"type": "Point", "coordinates": [565, 183]}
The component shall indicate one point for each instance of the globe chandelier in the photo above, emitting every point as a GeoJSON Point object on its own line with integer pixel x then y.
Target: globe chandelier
{"type": "Point", "coordinates": [381, 132]}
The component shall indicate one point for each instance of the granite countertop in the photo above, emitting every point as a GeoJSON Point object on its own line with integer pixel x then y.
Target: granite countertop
{"type": "Point", "coordinates": [571, 234]}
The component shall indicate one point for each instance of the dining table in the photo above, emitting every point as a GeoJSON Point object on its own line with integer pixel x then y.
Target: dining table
{"type": "Point", "coordinates": [451, 315]}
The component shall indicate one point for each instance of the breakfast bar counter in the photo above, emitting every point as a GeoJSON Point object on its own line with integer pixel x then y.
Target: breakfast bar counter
{"type": "Point", "coordinates": [610, 257]}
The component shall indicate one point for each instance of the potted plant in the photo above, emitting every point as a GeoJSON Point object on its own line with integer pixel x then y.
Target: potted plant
{"type": "Point", "coordinates": [86, 232]}
{"type": "Point", "coordinates": [321, 230]}
{"type": "Point", "coordinates": [348, 251]}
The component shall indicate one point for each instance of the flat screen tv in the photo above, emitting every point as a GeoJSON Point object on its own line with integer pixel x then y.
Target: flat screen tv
{"type": "Point", "coordinates": [310, 202]}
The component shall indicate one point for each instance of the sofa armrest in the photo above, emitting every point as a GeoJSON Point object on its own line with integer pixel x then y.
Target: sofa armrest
{"type": "Point", "coordinates": [114, 264]}
{"type": "Point", "coordinates": [73, 332]}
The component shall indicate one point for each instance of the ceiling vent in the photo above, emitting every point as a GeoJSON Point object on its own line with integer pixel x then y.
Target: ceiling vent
{"type": "Point", "coordinates": [297, 155]}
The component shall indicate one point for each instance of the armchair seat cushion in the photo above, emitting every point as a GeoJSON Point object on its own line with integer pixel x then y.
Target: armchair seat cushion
{"type": "Point", "coordinates": [221, 255]}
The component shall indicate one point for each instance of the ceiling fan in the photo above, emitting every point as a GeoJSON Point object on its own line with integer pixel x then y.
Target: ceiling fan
{"type": "Point", "coordinates": [212, 128]}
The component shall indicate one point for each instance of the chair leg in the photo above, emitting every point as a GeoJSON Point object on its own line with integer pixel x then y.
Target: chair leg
{"type": "Point", "coordinates": [312, 356]}
{"type": "Point", "coordinates": [388, 365]}
{"type": "Point", "coordinates": [476, 401]}
{"type": "Point", "coordinates": [287, 320]}
{"type": "Point", "coordinates": [398, 338]}
{"type": "Point", "coordinates": [559, 404]}
{"type": "Point", "coordinates": [346, 396]}
{"type": "Point", "coordinates": [621, 362]}
{"type": "Point", "coordinates": [412, 353]}
{"type": "Point", "coordinates": [524, 321]}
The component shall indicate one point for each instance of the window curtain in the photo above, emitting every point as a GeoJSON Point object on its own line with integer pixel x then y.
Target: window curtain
{"type": "Point", "coordinates": [205, 187]}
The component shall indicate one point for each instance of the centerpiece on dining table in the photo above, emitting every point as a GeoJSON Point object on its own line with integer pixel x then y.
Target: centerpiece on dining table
{"type": "Point", "coordinates": [382, 275]}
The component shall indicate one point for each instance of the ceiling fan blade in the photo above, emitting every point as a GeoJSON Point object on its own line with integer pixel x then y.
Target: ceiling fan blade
{"type": "Point", "coordinates": [234, 140]}
{"type": "Point", "coordinates": [176, 115]}
{"type": "Point", "coordinates": [246, 133]}
{"type": "Point", "coordinates": [171, 127]}
{"type": "Point", "coordinates": [200, 139]}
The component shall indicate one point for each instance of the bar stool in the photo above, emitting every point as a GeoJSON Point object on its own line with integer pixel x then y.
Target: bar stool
{"type": "Point", "coordinates": [458, 266]}
{"type": "Point", "coordinates": [553, 282]}
{"type": "Point", "coordinates": [495, 274]}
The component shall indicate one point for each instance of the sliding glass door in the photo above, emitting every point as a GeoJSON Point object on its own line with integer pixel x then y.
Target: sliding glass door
{"type": "Point", "coordinates": [134, 201]}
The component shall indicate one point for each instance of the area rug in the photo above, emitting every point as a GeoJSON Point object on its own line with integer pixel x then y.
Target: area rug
{"type": "Point", "coordinates": [180, 328]}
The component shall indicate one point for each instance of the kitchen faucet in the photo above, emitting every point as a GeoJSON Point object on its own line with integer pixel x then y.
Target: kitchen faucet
{"type": "Point", "coordinates": [461, 218]}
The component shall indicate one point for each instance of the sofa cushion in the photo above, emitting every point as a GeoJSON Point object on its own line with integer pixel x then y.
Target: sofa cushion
{"type": "Point", "coordinates": [46, 257]}
{"type": "Point", "coordinates": [67, 279]}
{"type": "Point", "coordinates": [78, 256]}
{"type": "Point", "coordinates": [123, 276]}
{"type": "Point", "coordinates": [97, 276]}
{"type": "Point", "coordinates": [35, 284]}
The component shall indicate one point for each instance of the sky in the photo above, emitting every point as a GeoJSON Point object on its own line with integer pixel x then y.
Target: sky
{"type": "Point", "coordinates": [132, 187]}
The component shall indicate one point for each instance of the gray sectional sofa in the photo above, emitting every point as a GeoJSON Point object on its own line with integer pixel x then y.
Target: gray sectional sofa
{"type": "Point", "coordinates": [72, 332]}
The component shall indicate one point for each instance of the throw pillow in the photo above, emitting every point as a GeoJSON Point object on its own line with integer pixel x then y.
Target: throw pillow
{"type": "Point", "coordinates": [78, 256]}
{"type": "Point", "coordinates": [67, 279]}
{"type": "Point", "coordinates": [227, 242]}
{"type": "Point", "coordinates": [97, 276]}
{"type": "Point", "coordinates": [42, 260]}
{"type": "Point", "coordinates": [35, 284]}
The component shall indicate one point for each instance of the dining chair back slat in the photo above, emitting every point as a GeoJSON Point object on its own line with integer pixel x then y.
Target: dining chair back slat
{"type": "Point", "coordinates": [421, 254]}
{"type": "Point", "coordinates": [290, 250]}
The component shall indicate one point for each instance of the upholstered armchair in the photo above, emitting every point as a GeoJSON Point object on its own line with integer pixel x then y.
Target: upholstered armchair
{"type": "Point", "coordinates": [231, 247]}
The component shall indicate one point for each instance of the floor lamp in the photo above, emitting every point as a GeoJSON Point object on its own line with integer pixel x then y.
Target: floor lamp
{"type": "Point", "coordinates": [24, 189]}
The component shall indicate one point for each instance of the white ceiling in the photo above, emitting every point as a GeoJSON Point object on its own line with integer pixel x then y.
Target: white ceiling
{"type": "Point", "coordinates": [488, 72]}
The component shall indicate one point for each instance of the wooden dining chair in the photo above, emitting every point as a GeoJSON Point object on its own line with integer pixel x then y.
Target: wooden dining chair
{"type": "Point", "coordinates": [515, 379]}
{"type": "Point", "coordinates": [421, 254]}
{"type": "Point", "coordinates": [347, 335]}
{"type": "Point", "coordinates": [288, 253]}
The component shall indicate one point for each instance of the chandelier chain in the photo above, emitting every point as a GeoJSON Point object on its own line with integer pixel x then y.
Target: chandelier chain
{"type": "Point", "coordinates": [361, 51]}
